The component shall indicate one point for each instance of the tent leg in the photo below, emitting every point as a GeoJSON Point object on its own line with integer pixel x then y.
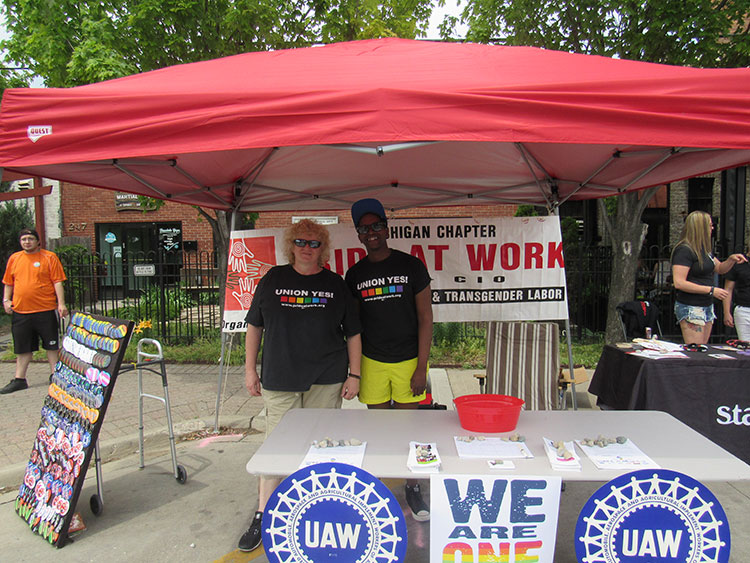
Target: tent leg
{"type": "Point", "coordinates": [568, 336]}
{"type": "Point", "coordinates": [570, 364]}
{"type": "Point", "coordinates": [221, 380]}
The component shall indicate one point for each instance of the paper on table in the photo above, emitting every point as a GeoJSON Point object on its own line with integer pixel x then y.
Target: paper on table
{"type": "Point", "coordinates": [618, 456]}
{"type": "Point", "coordinates": [500, 464]}
{"type": "Point", "coordinates": [659, 345]}
{"type": "Point", "coordinates": [559, 463]}
{"type": "Point", "coordinates": [490, 447]}
{"type": "Point", "coordinates": [721, 356]}
{"type": "Point", "coordinates": [657, 355]}
{"type": "Point", "coordinates": [352, 455]}
{"type": "Point", "coordinates": [423, 457]}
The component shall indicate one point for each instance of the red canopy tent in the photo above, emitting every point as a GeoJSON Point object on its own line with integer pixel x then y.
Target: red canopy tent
{"type": "Point", "coordinates": [413, 123]}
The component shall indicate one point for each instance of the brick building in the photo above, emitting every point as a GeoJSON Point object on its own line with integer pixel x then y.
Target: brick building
{"type": "Point", "coordinates": [114, 221]}
{"type": "Point", "coordinates": [114, 225]}
{"type": "Point", "coordinates": [269, 219]}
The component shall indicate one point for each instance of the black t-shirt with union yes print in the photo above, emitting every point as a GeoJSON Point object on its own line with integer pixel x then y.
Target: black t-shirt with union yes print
{"type": "Point", "coordinates": [305, 320]}
{"type": "Point", "coordinates": [386, 293]}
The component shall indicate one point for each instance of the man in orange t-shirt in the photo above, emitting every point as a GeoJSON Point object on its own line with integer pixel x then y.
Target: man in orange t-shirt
{"type": "Point", "coordinates": [33, 294]}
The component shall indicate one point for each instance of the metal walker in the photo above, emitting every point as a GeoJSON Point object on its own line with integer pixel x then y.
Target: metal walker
{"type": "Point", "coordinates": [145, 362]}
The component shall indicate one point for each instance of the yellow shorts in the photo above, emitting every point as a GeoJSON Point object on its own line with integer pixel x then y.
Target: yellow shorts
{"type": "Point", "coordinates": [382, 382]}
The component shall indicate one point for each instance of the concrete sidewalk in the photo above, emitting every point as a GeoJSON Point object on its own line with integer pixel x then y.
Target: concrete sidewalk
{"type": "Point", "coordinates": [149, 516]}
{"type": "Point", "coordinates": [192, 392]}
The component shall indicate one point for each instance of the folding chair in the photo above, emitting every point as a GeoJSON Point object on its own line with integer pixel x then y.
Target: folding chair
{"type": "Point", "coordinates": [636, 317]}
{"type": "Point", "coordinates": [523, 360]}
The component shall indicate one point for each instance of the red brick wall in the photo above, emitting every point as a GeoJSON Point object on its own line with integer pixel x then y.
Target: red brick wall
{"type": "Point", "coordinates": [283, 218]}
{"type": "Point", "coordinates": [83, 207]}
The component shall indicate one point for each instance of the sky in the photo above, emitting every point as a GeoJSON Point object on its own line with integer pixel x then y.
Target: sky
{"type": "Point", "coordinates": [452, 7]}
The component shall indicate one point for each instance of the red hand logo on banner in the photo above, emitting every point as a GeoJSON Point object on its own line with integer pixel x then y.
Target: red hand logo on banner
{"type": "Point", "coordinates": [249, 260]}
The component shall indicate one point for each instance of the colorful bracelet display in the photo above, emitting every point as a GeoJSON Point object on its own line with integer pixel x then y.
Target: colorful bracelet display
{"type": "Point", "coordinates": [77, 392]}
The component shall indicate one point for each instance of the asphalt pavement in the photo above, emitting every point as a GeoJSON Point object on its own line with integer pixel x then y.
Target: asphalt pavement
{"type": "Point", "coordinates": [147, 515]}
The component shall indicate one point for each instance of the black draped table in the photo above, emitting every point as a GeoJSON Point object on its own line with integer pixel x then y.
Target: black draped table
{"type": "Point", "coordinates": [710, 395]}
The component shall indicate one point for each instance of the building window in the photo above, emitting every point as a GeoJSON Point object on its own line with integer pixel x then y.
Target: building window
{"type": "Point", "coordinates": [700, 195]}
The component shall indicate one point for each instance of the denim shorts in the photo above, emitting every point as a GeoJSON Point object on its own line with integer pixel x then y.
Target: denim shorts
{"type": "Point", "coordinates": [694, 314]}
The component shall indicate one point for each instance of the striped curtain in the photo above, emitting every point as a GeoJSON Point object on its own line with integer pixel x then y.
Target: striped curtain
{"type": "Point", "coordinates": [523, 360]}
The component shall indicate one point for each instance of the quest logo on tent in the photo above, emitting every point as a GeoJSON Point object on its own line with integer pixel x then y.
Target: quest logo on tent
{"type": "Point", "coordinates": [36, 132]}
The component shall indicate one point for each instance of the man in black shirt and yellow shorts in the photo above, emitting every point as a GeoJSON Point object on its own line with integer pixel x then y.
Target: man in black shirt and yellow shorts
{"type": "Point", "coordinates": [393, 292]}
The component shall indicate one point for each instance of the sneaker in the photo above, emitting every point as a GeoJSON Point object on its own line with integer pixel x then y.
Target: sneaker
{"type": "Point", "coordinates": [15, 384]}
{"type": "Point", "coordinates": [251, 538]}
{"type": "Point", "coordinates": [418, 507]}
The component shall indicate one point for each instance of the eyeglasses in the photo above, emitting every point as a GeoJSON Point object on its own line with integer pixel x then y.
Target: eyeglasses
{"type": "Point", "coordinates": [301, 242]}
{"type": "Point", "coordinates": [376, 227]}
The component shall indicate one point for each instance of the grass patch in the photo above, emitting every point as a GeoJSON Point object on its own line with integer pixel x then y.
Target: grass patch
{"type": "Point", "coordinates": [585, 354]}
{"type": "Point", "coordinates": [4, 323]}
{"type": "Point", "coordinates": [201, 351]}
{"type": "Point", "coordinates": [466, 352]}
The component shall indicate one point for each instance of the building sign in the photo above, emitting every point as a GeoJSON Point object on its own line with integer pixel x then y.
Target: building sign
{"type": "Point", "coordinates": [129, 202]}
{"type": "Point", "coordinates": [144, 269]}
{"type": "Point", "coordinates": [655, 516]}
{"type": "Point", "coordinates": [486, 518]}
{"type": "Point", "coordinates": [509, 269]}
{"type": "Point", "coordinates": [170, 238]}
{"type": "Point", "coordinates": [333, 512]}
{"type": "Point", "coordinates": [320, 220]}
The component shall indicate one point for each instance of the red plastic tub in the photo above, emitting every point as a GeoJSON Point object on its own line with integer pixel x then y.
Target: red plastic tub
{"type": "Point", "coordinates": [488, 413]}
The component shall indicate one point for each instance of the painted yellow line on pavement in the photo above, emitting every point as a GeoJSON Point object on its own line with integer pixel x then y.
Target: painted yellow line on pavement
{"type": "Point", "coordinates": [238, 556]}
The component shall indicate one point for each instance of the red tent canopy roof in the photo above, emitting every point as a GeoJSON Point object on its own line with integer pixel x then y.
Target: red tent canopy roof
{"type": "Point", "coordinates": [416, 123]}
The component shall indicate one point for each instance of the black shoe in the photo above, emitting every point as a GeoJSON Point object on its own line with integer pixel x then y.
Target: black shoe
{"type": "Point", "coordinates": [15, 384]}
{"type": "Point", "coordinates": [251, 539]}
{"type": "Point", "coordinates": [418, 507]}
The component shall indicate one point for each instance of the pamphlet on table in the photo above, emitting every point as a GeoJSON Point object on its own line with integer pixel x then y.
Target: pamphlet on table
{"type": "Point", "coordinates": [350, 454]}
{"type": "Point", "coordinates": [490, 447]}
{"type": "Point", "coordinates": [423, 457]}
{"type": "Point", "coordinates": [618, 456]}
{"type": "Point", "coordinates": [562, 455]}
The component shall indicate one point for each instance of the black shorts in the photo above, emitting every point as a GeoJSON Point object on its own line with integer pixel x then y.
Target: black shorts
{"type": "Point", "coordinates": [28, 328]}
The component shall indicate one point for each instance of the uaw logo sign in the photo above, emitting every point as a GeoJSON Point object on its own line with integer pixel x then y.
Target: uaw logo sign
{"type": "Point", "coordinates": [36, 132]}
{"type": "Point", "coordinates": [655, 516]}
{"type": "Point", "coordinates": [333, 512]}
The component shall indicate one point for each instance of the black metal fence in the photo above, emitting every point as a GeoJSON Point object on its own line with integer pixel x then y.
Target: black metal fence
{"type": "Point", "coordinates": [172, 296]}
{"type": "Point", "coordinates": [175, 296]}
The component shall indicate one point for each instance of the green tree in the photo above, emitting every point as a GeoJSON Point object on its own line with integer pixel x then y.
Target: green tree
{"type": "Point", "coordinates": [685, 32]}
{"type": "Point", "coordinates": [13, 218]}
{"type": "Point", "coordinates": [69, 43]}
{"type": "Point", "coordinates": [75, 42]}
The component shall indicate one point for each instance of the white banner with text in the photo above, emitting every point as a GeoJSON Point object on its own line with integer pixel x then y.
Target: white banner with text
{"type": "Point", "coordinates": [487, 269]}
{"type": "Point", "coordinates": [487, 518]}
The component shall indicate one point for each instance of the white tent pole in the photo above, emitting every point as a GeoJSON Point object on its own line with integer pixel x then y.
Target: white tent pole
{"type": "Point", "coordinates": [232, 223]}
{"type": "Point", "coordinates": [556, 211]}
{"type": "Point", "coordinates": [221, 380]}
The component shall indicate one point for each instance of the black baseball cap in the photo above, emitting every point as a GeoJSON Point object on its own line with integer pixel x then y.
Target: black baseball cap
{"type": "Point", "coordinates": [365, 206]}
